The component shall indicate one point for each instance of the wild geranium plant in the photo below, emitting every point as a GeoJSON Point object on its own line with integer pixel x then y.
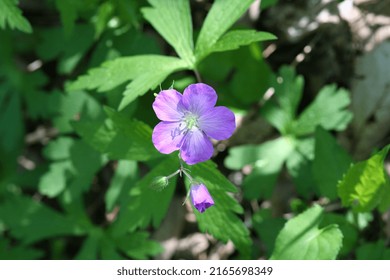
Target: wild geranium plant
{"type": "Point", "coordinates": [188, 121]}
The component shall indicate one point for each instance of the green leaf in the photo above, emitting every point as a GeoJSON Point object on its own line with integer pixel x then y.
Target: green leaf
{"type": "Point", "coordinates": [327, 110]}
{"type": "Point", "coordinates": [145, 206]}
{"type": "Point", "coordinates": [363, 185]}
{"type": "Point", "coordinates": [222, 15]}
{"type": "Point", "coordinates": [172, 19]}
{"type": "Point", "coordinates": [266, 160]}
{"type": "Point", "coordinates": [30, 221]}
{"type": "Point", "coordinates": [8, 252]}
{"type": "Point", "coordinates": [280, 110]}
{"type": "Point", "coordinates": [267, 228]}
{"type": "Point", "coordinates": [330, 163]}
{"type": "Point", "coordinates": [11, 14]}
{"type": "Point", "coordinates": [125, 175]}
{"type": "Point", "coordinates": [349, 231]}
{"type": "Point", "coordinates": [302, 239]}
{"type": "Point", "coordinates": [145, 71]}
{"type": "Point", "coordinates": [373, 251]}
{"type": "Point", "coordinates": [221, 220]}
{"type": "Point", "coordinates": [118, 137]}
{"type": "Point", "coordinates": [138, 246]}
{"type": "Point", "coordinates": [74, 167]}
{"type": "Point", "coordinates": [264, 4]}
{"type": "Point", "coordinates": [234, 39]}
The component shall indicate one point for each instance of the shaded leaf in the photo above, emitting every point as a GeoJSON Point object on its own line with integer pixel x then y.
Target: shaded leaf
{"type": "Point", "coordinates": [373, 251]}
{"type": "Point", "coordinates": [281, 109]}
{"type": "Point", "coordinates": [144, 206]}
{"type": "Point", "coordinates": [138, 246]}
{"type": "Point", "coordinates": [302, 239]}
{"type": "Point", "coordinates": [330, 163]}
{"type": "Point", "coordinates": [118, 137]}
{"type": "Point", "coordinates": [28, 220]}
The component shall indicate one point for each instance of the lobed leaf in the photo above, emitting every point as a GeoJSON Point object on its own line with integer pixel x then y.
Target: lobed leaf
{"type": "Point", "coordinates": [281, 109]}
{"type": "Point", "coordinates": [145, 71]}
{"type": "Point", "coordinates": [365, 184]}
{"type": "Point", "coordinates": [222, 15]}
{"type": "Point", "coordinates": [302, 239]}
{"type": "Point", "coordinates": [10, 14]}
{"type": "Point", "coordinates": [118, 137]}
{"type": "Point", "coordinates": [28, 220]}
{"type": "Point", "coordinates": [172, 19]}
{"type": "Point", "coordinates": [327, 110]}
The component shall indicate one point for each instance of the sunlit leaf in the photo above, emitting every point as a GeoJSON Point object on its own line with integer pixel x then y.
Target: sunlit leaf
{"type": "Point", "coordinates": [363, 185]}
{"type": "Point", "coordinates": [10, 14]}
{"type": "Point", "coordinates": [237, 38]}
{"type": "Point", "coordinates": [172, 19]}
{"type": "Point", "coordinates": [302, 239]}
{"type": "Point", "coordinates": [222, 15]}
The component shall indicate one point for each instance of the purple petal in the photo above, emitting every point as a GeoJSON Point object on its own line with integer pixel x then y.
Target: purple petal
{"type": "Point", "coordinates": [197, 147]}
{"type": "Point", "coordinates": [167, 105]}
{"type": "Point", "coordinates": [166, 137]}
{"type": "Point", "coordinates": [200, 197]}
{"type": "Point", "coordinates": [218, 123]}
{"type": "Point", "coordinates": [199, 98]}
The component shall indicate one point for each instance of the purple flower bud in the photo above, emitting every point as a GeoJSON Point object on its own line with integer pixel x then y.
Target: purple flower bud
{"type": "Point", "coordinates": [200, 197]}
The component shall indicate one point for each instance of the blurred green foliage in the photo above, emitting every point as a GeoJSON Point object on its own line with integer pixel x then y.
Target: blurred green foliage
{"type": "Point", "coordinates": [76, 157]}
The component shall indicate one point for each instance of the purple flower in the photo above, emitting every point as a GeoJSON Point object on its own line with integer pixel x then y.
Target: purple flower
{"type": "Point", "coordinates": [188, 122]}
{"type": "Point", "coordinates": [200, 197]}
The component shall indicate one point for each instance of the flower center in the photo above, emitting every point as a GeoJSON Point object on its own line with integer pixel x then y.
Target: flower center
{"type": "Point", "coordinates": [191, 120]}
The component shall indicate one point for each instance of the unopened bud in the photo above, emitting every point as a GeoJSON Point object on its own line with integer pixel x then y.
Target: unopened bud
{"type": "Point", "coordinates": [159, 183]}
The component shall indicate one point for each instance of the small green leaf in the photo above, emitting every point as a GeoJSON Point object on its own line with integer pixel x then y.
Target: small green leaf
{"type": "Point", "coordinates": [280, 110]}
{"type": "Point", "coordinates": [234, 39]}
{"type": "Point", "coordinates": [222, 15]}
{"type": "Point", "coordinates": [118, 137]}
{"type": "Point", "coordinates": [30, 221]}
{"type": "Point", "coordinates": [302, 239]}
{"type": "Point", "coordinates": [172, 19]}
{"type": "Point", "coordinates": [221, 220]}
{"type": "Point", "coordinates": [364, 183]}
{"type": "Point", "coordinates": [11, 14]}
{"type": "Point", "coordinates": [327, 110]}
{"type": "Point", "coordinates": [330, 163]}
{"type": "Point", "coordinates": [145, 71]}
